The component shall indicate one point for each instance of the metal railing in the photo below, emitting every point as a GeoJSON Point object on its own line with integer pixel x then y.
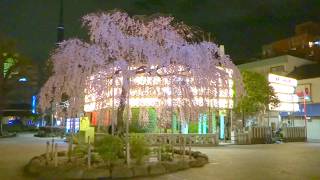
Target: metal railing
{"type": "Point", "coordinates": [155, 139]}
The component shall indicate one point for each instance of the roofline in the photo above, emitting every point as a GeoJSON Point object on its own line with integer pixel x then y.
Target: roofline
{"type": "Point", "coordinates": [270, 61]}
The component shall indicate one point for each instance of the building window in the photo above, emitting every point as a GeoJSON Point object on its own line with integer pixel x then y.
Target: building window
{"type": "Point", "coordinates": [276, 69]}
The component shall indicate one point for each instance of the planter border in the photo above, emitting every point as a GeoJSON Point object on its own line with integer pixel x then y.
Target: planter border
{"type": "Point", "coordinates": [37, 168]}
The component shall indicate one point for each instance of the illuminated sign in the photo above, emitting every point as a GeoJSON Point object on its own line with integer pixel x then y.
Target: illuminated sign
{"type": "Point", "coordinates": [34, 104]}
{"type": "Point", "coordinates": [84, 123]}
{"type": "Point", "coordinates": [72, 125]}
{"type": "Point", "coordinates": [286, 107]}
{"type": "Point", "coordinates": [290, 98]}
{"type": "Point", "coordinates": [282, 80]}
{"type": "Point", "coordinates": [284, 89]}
{"type": "Point", "coordinates": [279, 88]}
{"type": "Point", "coordinates": [304, 92]}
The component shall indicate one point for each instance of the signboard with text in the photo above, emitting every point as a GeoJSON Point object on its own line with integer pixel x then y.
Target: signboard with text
{"type": "Point", "coordinates": [303, 91]}
{"type": "Point", "coordinates": [284, 89]}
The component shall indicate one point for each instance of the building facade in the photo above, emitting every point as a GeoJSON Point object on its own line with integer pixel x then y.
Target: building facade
{"type": "Point", "coordinates": [309, 108]}
{"type": "Point", "coordinates": [307, 90]}
{"type": "Point", "coordinates": [305, 43]}
{"type": "Point", "coordinates": [280, 65]}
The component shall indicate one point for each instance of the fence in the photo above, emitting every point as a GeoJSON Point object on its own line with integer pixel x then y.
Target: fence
{"type": "Point", "coordinates": [155, 139]}
{"type": "Point", "coordinates": [261, 135]}
{"type": "Point", "coordinates": [255, 135]}
{"type": "Point", "coordinates": [177, 139]}
{"type": "Point", "coordinates": [241, 138]}
{"type": "Point", "coordinates": [294, 134]}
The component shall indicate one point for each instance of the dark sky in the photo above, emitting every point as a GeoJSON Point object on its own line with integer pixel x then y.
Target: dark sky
{"type": "Point", "coordinates": [243, 26]}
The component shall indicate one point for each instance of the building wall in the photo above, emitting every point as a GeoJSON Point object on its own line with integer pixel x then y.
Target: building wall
{"type": "Point", "coordinates": [313, 129]}
{"type": "Point", "coordinates": [313, 124]}
{"type": "Point", "coordinates": [298, 45]}
{"type": "Point", "coordinates": [281, 65]}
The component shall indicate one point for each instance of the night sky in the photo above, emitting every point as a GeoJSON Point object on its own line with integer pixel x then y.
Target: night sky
{"type": "Point", "coordinates": [243, 26]}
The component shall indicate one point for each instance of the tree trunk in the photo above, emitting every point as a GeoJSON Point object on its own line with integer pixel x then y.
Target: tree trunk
{"type": "Point", "coordinates": [123, 99]}
{"type": "Point", "coordinates": [243, 121]}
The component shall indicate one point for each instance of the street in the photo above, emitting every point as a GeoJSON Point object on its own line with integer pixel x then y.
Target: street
{"type": "Point", "coordinates": [274, 161]}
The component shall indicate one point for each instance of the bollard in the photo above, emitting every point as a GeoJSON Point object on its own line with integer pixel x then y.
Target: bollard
{"type": "Point", "coordinates": [52, 143]}
{"type": "Point", "coordinates": [180, 145]}
{"type": "Point", "coordinates": [56, 155]}
{"type": "Point", "coordinates": [47, 152]}
{"type": "Point", "coordinates": [70, 148]}
{"type": "Point", "coordinates": [172, 146]}
{"type": "Point", "coordinates": [184, 146]}
{"type": "Point", "coordinates": [89, 153]}
{"type": "Point", "coordinates": [159, 150]}
{"type": "Point", "coordinates": [190, 140]}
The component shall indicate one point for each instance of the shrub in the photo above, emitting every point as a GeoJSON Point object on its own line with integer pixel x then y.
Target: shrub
{"type": "Point", "coordinates": [135, 127]}
{"type": "Point", "coordinates": [110, 148]}
{"type": "Point", "coordinates": [81, 149]}
{"type": "Point", "coordinates": [138, 148]}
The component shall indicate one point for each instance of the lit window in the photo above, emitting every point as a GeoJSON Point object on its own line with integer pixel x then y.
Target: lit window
{"type": "Point", "coordinates": [23, 79]}
{"type": "Point", "coordinates": [310, 44]}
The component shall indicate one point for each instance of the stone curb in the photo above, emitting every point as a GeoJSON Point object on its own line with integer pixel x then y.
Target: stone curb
{"type": "Point", "coordinates": [37, 168]}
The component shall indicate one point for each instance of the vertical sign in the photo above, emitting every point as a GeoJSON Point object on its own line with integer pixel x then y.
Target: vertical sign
{"type": "Point", "coordinates": [34, 104]}
{"type": "Point", "coordinates": [221, 125]}
{"type": "Point", "coordinates": [204, 124]}
{"type": "Point", "coordinates": [200, 124]}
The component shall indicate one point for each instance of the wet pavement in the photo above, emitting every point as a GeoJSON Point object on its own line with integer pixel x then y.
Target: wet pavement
{"type": "Point", "coordinates": [274, 161]}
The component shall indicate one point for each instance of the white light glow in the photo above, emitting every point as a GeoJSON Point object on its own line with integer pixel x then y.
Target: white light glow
{"type": "Point", "coordinates": [279, 88]}
{"type": "Point", "coordinates": [290, 98]}
{"type": "Point", "coordinates": [282, 80]}
{"type": "Point", "coordinates": [284, 88]}
{"type": "Point", "coordinates": [287, 107]}
{"type": "Point", "coordinates": [155, 91]}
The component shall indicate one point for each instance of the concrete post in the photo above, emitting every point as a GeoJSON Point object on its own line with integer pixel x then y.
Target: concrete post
{"type": "Point", "coordinates": [190, 141]}
{"type": "Point", "coordinates": [184, 146]}
{"type": "Point", "coordinates": [47, 152]}
{"type": "Point", "coordinates": [89, 153]}
{"type": "Point", "coordinates": [52, 144]}
{"type": "Point", "coordinates": [70, 148]}
{"type": "Point", "coordinates": [56, 155]}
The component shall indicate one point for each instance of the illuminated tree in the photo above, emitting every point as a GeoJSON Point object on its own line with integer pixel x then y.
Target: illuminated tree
{"type": "Point", "coordinates": [122, 48]}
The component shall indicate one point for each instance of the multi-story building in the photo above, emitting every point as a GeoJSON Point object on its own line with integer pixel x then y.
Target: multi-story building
{"type": "Point", "coordinates": [280, 65]}
{"type": "Point", "coordinates": [305, 43]}
{"type": "Point", "coordinates": [307, 74]}
{"type": "Point", "coordinates": [22, 88]}
{"type": "Point", "coordinates": [309, 101]}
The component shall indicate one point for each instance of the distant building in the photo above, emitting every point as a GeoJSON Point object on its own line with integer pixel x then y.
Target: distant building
{"type": "Point", "coordinates": [280, 65]}
{"type": "Point", "coordinates": [22, 87]}
{"type": "Point", "coordinates": [305, 43]}
{"type": "Point", "coordinates": [308, 91]}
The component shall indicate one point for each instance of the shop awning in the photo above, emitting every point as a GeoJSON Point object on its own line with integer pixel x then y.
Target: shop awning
{"type": "Point", "coordinates": [311, 110]}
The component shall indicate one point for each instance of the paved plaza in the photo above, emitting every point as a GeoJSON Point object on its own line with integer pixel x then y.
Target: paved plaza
{"type": "Point", "coordinates": [274, 161]}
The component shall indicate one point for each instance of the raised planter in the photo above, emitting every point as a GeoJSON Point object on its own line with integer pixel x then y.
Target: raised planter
{"type": "Point", "coordinates": [41, 168]}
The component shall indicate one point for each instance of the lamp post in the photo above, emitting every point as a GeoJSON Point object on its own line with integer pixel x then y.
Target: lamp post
{"type": "Point", "coordinates": [305, 114]}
